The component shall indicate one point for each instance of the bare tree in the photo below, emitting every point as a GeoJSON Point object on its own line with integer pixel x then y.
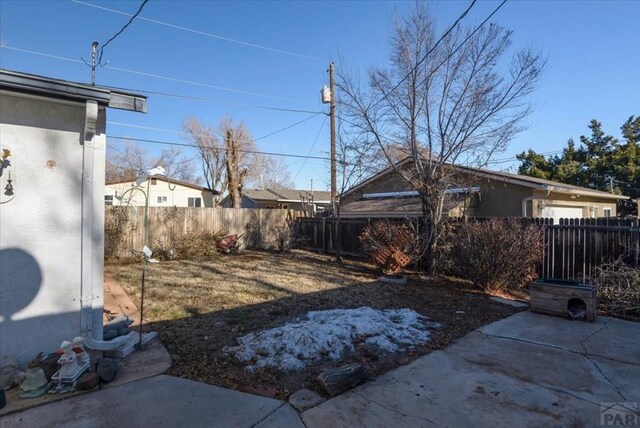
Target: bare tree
{"type": "Point", "coordinates": [131, 160]}
{"type": "Point", "coordinates": [268, 172]}
{"type": "Point", "coordinates": [452, 100]}
{"type": "Point", "coordinates": [211, 152]}
{"type": "Point", "coordinates": [226, 154]}
{"type": "Point", "coordinates": [238, 144]}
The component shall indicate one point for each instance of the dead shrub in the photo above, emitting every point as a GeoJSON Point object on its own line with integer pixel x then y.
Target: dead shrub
{"type": "Point", "coordinates": [618, 286]}
{"type": "Point", "coordinates": [116, 221]}
{"type": "Point", "coordinates": [188, 246]}
{"type": "Point", "coordinates": [498, 255]}
{"type": "Point", "coordinates": [381, 237]}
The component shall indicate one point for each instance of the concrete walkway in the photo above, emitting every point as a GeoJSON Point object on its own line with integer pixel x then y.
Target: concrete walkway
{"type": "Point", "coordinates": [159, 401]}
{"type": "Point", "coordinates": [526, 370]}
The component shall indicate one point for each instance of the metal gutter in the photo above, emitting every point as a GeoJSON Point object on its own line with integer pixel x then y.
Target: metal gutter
{"type": "Point", "coordinates": [56, 88]}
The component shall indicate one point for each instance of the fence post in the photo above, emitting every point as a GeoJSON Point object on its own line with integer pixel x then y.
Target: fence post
{"type": "Point", "coordinates": [324, 234]}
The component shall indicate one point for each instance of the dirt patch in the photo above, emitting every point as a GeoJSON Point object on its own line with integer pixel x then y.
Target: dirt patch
{"type": "Point", "coordinates": [200, 306]}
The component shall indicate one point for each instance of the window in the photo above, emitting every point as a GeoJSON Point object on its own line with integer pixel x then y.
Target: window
{"type": "Point", "coordinates": [194, 202]}
{"type": "Point", "coordinates": [154, 181]}
{"type": "Point", "coordinates": [108, 199]}
{"type": "Point", "coordinates": [162, 199]}
{"type": "Point", "coordinates": [606, 212]}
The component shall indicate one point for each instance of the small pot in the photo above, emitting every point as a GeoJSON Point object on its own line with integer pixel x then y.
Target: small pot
{"type": "Point", "coordinates": [49, 363]}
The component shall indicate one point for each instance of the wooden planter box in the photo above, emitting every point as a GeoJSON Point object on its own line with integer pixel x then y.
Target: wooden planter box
{"type": "Point", "coordinates": [555, 297]}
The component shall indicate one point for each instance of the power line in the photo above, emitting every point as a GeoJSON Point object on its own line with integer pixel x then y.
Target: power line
{"type": "Point", "coordinates": [210, 100]}
{"type": "Point", "coordinates": [141, 73]}
{"type": "Point", "coordinates": [203, 33]}
{"type": "Point", "coordinates": [287, 127]}
{"type": "Point", "coordinates": [174, 143]}
{"type": "Point", "coordinates": [311, 149]}
{"type": "Point", "coordinates": [469, 36]}
{"type": "Point", "coordinates": [134, 16]}
{"type": "Point", "coordinates": [178, 132]}
{"type": "Point", "coordinates": [172, 131]}
{"type": "Point", "coordinates": [424, 58]}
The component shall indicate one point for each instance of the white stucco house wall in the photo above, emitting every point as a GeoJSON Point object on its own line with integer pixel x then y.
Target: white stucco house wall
{"type": "Point", "coordinates": [52, 148]}
{"type": "Point", "coordinates": [163, 192]}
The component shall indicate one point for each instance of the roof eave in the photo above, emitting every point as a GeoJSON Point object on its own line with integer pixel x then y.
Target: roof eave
{"type": "Point", "coordinates": [55, 88]}
{"type": "Point", "coordinates": [585, 192]}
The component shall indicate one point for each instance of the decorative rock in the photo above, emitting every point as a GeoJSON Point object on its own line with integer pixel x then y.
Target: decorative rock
{"type": "Point", "coordinates": [393, 279]}
{"type": "Point", "coordinates": [304, 399]}
{"type": "Point", "coordinates": [336, 381]}
{"type": "Point", "coordinates": [107, 368]}
{"type": "Point", "coordinates": [8, 372]}
{"type": "Point", "coordinates": [88, 381]}
{"type": "Point", "coordinates": [34, 384]}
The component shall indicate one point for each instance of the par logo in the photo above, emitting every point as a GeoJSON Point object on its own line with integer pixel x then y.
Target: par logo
{"type": "Point", "coordinates": [619, 414]}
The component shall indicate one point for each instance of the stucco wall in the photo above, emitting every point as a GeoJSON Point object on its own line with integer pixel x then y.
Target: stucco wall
{"type": "Point", "coordinates": [179, 197]}
{"type": "Point", "coordinates": [499, 198]}
{"type": "Point", "coordinates": [591, 206]}
{"type": "Point", "coordinates": [40, 229]}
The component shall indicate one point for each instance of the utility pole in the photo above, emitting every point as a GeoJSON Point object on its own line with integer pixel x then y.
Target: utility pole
{"type": "Point", "coordinates": [94, 58]}
{"type": "Point", "coordinates": [332, 116]}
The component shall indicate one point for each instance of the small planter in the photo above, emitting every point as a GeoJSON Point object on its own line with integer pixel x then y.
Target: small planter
{"type": "Point", "coordinates": [567, 299]}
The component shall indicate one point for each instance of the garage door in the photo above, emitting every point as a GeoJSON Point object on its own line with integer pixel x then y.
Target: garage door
{"type": "Point", "coordinates": [556, 213]}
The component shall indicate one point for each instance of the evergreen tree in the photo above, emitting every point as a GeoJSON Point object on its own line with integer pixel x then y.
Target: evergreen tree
{"type": "Point", "coordinates": [600, 162]}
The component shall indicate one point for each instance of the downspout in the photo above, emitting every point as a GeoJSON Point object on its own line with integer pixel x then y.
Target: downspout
{"type": "Point", "coordinates": [86, 288]}
{"type": "Point", "coordinates": [524, 206]}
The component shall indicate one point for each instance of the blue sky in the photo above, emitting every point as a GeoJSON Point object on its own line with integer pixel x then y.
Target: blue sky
{"type": "Point", "coordinates": [592, 71]}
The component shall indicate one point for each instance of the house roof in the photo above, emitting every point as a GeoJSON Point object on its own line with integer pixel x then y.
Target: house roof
{"type": "Point", "coordinates": [63, 89]}
{"type": "Point", "coordinates": [523, 180]}
{"type": "Point", "coordinates": [260, 194]}
{"type": "Point", "coordinates": [283, 195]}
{"type": "Point", "coordinates": [169, 180]}
{"type": "Point", "coordinates": [318, 195]}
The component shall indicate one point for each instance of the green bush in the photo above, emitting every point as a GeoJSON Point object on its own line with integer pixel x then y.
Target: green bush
{"type": "Point", "coordinates": [498, 255]}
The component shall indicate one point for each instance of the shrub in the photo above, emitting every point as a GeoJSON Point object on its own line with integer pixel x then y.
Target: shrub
{"type": "Point", "coordinates": [618, 289]}
{"type": "Point", "coordinates": [497, 255]}
{"type": "Point", "coordinates": [381, 237]}
{"type": "Point", "coordinates": [189, 245]}
{"type": "Point", "coordinates": [115, 226]}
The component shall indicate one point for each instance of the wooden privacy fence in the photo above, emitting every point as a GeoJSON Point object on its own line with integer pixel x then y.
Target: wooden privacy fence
{"type": "Point", "coordinates": [124, 226]}
{"type": "Point", "coordinates": [573, 247]}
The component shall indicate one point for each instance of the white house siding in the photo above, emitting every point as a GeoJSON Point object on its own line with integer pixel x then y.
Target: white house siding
{"type": "Point", "coordinates": [40, 229]}
{"type": "Point", "coordinates": [179, 197]}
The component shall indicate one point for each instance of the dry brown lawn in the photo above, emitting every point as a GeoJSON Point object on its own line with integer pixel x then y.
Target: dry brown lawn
{"type": "Point", "coordinates": [200, 306]}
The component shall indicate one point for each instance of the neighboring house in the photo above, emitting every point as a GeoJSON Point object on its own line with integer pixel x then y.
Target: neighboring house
{"type": "Point", "coordinates": [163, 192]}
{"type": "Point", "coordinates": [480, 193]}
{"type": "Point", "coordinates": [52, 153]}
{"type": "Point", "coordinates": [302, 200]}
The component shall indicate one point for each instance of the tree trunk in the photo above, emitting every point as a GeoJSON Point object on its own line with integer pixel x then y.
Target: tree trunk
{"type": "Point", "coordinates": [233, 175]}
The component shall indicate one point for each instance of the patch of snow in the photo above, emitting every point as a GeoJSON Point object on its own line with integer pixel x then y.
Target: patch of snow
{"type": "Point", "coordinates": [327, 335]}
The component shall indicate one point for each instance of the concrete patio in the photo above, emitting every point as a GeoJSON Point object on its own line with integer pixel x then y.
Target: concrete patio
{"type": "Point", "coordinates": [159, 401]}
{"type": "Point", "coordinates": [526, 370]}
